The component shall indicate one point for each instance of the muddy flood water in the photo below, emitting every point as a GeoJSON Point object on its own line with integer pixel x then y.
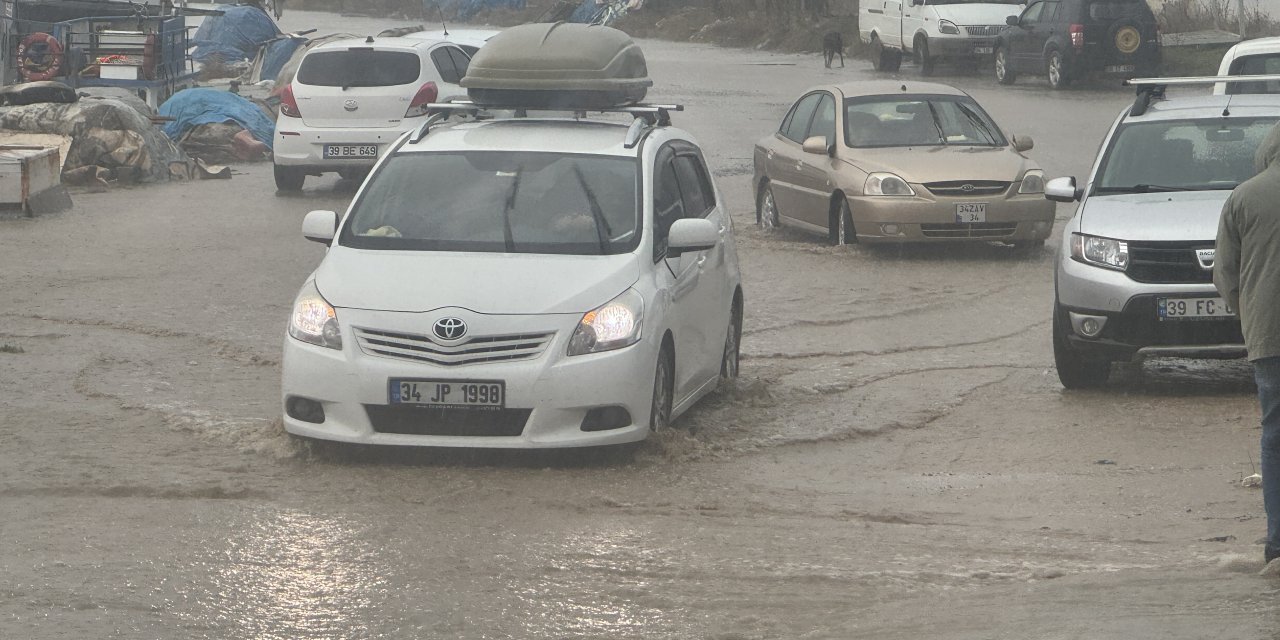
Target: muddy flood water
{"type": "Point", "coordinates": [898, 459]}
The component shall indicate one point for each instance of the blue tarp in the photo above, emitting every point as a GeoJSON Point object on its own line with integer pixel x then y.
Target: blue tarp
{"type": "Point", "coordinates": [276, 53]}
{"type": "Point", "coordinates": [235, 35]}
{"type": "Point", "coordinates": [466, 9]}
{"type": "Point", "coordinates": [193, 107]}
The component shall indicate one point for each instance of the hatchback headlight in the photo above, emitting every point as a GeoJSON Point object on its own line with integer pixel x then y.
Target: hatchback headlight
{"type": "Point", "coordinates": [613, 325]}
{"type": "Point", "coordinates": [1103, 252]}
{"type": "Point", "coordinates": [1032, 182]}
{"type": "Point", "coordinates": [886, 184]}
{"type": "Point", "coordinates": [314, 319]}
{"type": "Point", "coordinates": [948, 27]}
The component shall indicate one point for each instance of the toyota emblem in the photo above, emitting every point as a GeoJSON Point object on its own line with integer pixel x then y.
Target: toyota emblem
{"type": "Point", "coordinates": [967, 188]}
{"type": "Point", "coordinates": [351, 105]}
{"type": "Point", "coordinates": [449, 328]}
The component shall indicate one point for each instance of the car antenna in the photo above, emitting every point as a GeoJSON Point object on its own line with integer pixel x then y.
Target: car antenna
{"type": "Point", "coordinates": [904, 87]}
{"type": "Point", "coordinates": [443, 27]}
{"type": "Point", "coordinates": [368, 40]}
{"type": "Point", "coordinates": [1226, 110]}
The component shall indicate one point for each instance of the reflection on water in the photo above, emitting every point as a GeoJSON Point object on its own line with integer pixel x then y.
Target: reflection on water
{"type": "Point", "coordinates": [289, 574]}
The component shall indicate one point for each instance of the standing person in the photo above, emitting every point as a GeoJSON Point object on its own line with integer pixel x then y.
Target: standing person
{"type": "Point", "coordinates": [1247, 273]}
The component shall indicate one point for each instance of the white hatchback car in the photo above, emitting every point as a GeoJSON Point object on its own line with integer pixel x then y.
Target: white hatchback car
{"type": "Point", "coordinates": [352, 98]}
{"type": "Point", "coordinates": [519, 282]}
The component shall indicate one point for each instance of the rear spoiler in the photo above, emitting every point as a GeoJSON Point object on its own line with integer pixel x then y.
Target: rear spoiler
{"type": "Point", "coordinates": [1151, 89]}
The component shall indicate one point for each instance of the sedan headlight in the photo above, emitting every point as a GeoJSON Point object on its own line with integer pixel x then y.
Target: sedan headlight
{"type": "Point", "coordinates": [614, 325]}
{"type": "Point", "coordinates": [1103, 252]}
{"type": "Point", "coordinates": [886, 184]}
{"type": "Point", "coordinates": [314, 320]}
{"type": "Point", "coordinates": [1032, 182]}
{"type": "Point", "coordinates": [948, 27]}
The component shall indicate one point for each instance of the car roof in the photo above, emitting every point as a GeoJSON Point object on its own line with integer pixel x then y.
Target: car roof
{"type": "Point", "coordinates": [1252, 47]}
{"type": "Point", "coordinates": [895, 87]}
{"type": "Point", "coordinates": [396, 42]}
{"type": "Point", "coordinates": [475, 37]}
{"type": "Point", "coordinates": [1210, 106]}
{"type": "Point", "coordinates": [563, 135]}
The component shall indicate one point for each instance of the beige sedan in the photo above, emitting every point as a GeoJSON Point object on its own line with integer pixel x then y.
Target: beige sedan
{"type": "Point", "coordinates": [885, 161]}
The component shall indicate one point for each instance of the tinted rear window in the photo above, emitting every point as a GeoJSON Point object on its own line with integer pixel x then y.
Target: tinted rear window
{"type": "Point", "coordinates": [359, 68]}
{"type": "Point", "coordinates": [1116, 9]}
{"type": "Point", "coordinates": [1260, 65]}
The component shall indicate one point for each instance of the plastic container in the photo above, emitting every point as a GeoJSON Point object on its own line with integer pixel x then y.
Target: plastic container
{"type": "Point", "coordinates": [558, 66]}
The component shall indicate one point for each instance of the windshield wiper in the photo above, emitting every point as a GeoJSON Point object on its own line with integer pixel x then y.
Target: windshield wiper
{"type": "Point", "coordinates": [1148, 188]}
{"type": "Point", "coordinates": [976, 121]}
{"type": "Point", "coordinates": [603, 232]}
{"type": "Point", "coordinates": [937, 126]}
{"type": "Point", "coordinates": [508, 239]}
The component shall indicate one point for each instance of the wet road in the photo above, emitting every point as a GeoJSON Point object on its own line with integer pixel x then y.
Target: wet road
{"type": "Point", "coordinates": [897, 461]}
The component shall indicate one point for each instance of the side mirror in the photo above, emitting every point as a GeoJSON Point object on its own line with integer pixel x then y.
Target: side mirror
{"type": "Point", "coordinates": [1011, 20]}
{"type": "Point", "coordinates": [818, 145]}
{"type": "Point", "coordinates": [688, 235]}
{"type": "Point", "coordinates": [1023, 143]}
{"type": "Point", "coordinates": [320, 226]}
{"type": "Point", "coordinates": [1062, 190]}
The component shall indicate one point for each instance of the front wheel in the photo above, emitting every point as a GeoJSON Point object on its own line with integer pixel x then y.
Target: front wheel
{"type": "Point", "coordinates": [1074, 370]}
{"type": "Point", "coordinates": [663, 389]}
{"type": "Point", "coordinates": [289, 178]}
{"type": "Point", "coordinates": [1004, 67]}
{"type": "Point", "coordinates": [1056, 70]}
{"type": "Point", "coordinates": [840, 228]}
{"type": "Point", "coordinates": [732, 344]}
{"type": "Point", "coordinates": [923, 60]}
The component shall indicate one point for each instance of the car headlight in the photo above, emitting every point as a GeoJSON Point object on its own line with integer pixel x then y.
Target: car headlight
{"type": "Point", "coordinates": [886, 184]}
{"type": "Point", "coordinates": [948, 27]}
{"type": "Point", "coordinates": [1103, 252]}
{"type": "Point", "coordinates": [1032, 182]}
{"type": "Point", "coordinates": [614, 325]}
{"type": "Point", "coordinates": [314, 320]}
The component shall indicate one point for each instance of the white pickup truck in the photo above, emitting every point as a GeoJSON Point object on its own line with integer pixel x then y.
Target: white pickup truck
{"type": "Point", "coordinates": [931, 30]}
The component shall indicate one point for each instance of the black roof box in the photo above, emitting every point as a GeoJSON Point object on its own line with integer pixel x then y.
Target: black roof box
{"type": "Point", "coordinates": [559, 65]}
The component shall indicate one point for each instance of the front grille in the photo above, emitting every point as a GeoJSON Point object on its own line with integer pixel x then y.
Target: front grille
{"type": "Point", "coordinates": [969, 229]}
{"type": "Point", "coordinates": [421, 348]}
{"type": "Point", "coordinates": [967, 188]}
{"type": "Point", "coordinates": [434, 421]}
{"type": "Point", "coordinates": [986, 30]}
{"type": "Point", "coordinates": [1168, 262]}
{"type": "Point", "coordinates": [1140, 325]}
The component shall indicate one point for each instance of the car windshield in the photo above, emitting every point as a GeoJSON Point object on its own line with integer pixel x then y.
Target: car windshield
{"type": "Point", "coordinates": [1182, 155]}
{"type": "Point", "coordinates": [359, 68]}
{"type": "Point", "coordinates": [1258, 65]}
{"type": "Point", "coordinates": [498, 202]}
{"type": "Point", "coordinates": [906, 121]}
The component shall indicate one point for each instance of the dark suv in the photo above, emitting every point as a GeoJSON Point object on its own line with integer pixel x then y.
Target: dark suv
{"type": "Point", "coordinates": [1066, 39]}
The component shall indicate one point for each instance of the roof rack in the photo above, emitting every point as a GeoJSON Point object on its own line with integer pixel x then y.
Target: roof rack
{"type": "Point", "coordinates": [647, 116]}
{"type": "Point", "coordinates": [1151, 89]}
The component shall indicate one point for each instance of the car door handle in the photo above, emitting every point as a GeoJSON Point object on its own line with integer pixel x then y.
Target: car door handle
{"type": "Point", "coordinates": [769, 154]}
{"type": "Point", "coordinates": [702, 261]}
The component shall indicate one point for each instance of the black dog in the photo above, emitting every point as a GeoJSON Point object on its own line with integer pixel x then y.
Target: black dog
{"type": "Point", "coordinates": [833, 45]}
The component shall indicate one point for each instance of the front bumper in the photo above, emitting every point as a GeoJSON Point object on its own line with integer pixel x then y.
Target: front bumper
{"type": "Point", "coordinates": [1133, 328]}
{"type": "Point", "coordinates": [297, 145]}
{"type": "Point", "coordinates": [930, 218]}
{"type": "Point", "coordinates": [547, 396]}
{"type": "Point", "coordinates": [962, 46]}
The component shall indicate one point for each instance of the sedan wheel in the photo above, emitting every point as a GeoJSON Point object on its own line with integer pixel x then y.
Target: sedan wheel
{"type": "Point", "coordinates": [1056, 71]}
{"type": "Point", "coordinates": [732, 344]}
{"type": "Point", "coordinates": [663, 389]}
{"type": "Point", "coordinates": [841, 229]}
{"type": "Point", "coordinates": [767, 210]}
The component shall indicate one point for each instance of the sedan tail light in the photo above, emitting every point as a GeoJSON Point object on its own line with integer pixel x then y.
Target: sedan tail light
{"type": "Point", "coordinates": [425, 96]}
{"type": "Point", "coordinates": [289, 104]}
{"type": "Point", "coordinates": [1077, 36]}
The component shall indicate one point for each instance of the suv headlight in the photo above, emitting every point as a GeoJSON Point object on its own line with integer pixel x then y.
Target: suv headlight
{"type": "Point", "coordinates": [948, 27]}
{"type": "Point", "coordinates": [314, 320]}
{"type": "Point", "coordinates": [1032, 182]}
{"type": "Point", "coordinates": [1103, 252]}
{"type": "Point", "coordinates": [614, 325]}
{"type": "Point", "coordinates": [886, 184]}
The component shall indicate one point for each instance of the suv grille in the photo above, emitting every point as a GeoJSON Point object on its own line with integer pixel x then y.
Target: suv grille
{"type": "Point", "coordinates": [1168, 262]}
{"type": "Point", "coordinates": [432, 421]}
{"type": "Point", "coordinates": [984, 30]}
{"type": "Point", "coordinates": [969, 229]}
{"type": "Point", "coordinates": [974, 188]}
{"type": "Point", "coordinates": [420, 348]}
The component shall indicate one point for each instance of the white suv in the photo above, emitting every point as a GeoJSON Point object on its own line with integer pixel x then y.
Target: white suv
{"type": "Point", "coordinates": [352, 98]}
{"type": "Point", "coordinates": [518, 282]}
